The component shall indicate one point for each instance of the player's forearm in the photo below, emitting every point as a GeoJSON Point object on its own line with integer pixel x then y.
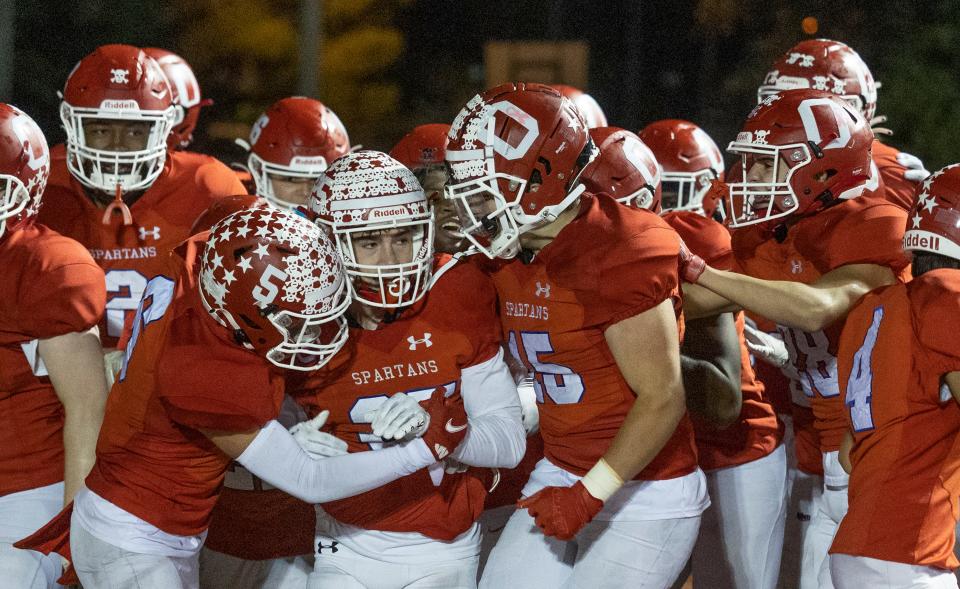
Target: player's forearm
{"type": "Point", "coordinates": [710, 393]}
{"type": "Point", "coordinates": [700, 302]}
{"type": "Point", "coordinates": [645, 431]}
{"type": "Point", "coordinates": [81, 427]}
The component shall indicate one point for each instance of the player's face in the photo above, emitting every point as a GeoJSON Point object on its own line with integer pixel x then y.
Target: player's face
{"type": "Point", "coordinates": [292, 190]}
{"type": "Point", "coordinates": [386, 247]}
{"type": "Point", "coordinates": [113, 135]}
{"type": "Point", "coordinates": [761, 169]}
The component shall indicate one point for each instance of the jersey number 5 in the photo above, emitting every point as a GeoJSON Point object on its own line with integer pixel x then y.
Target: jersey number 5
{"type": "Point", "coordinates": [561, 384]}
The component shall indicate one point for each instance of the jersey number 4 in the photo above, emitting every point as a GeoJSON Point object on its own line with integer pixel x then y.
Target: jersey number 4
{"type": "Point", "coordinates": [561, 384]}
{"type": "Point", "coordinates": [860, 384]}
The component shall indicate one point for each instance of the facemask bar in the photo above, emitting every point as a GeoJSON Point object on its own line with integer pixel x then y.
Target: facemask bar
{"type": "Point", "coordinates": [494, 232]}
{"type": "Point", "coordinates": [15, 199]}
{"type": "Point", "coordinates": [394, 285]}
{"type": "Point", "coordinates": [641, 199]}
{"type": "Point", "coordinates": [261, 171]}
{"type": "Point", "coordinates": [757, 202]}
{"type": "Point", "coordinates": [302, 347]}
{"type": "Point", "coordinates": [683, 191]}
{"type": "Point", "coordinates": [99, 169]}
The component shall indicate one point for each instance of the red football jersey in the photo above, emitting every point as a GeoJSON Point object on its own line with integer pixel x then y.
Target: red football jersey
{"type": "Point", "coordinates": [183, 373]}
{"type": "Point", "coordinates": [757, 432]}
{"type": "Point", "coordinates": [455, 326]}
{"type": "Point", "coordinates": [898, 343]}
{"type": "Point", "coordinates": [609, 264]}
{"type": "Point", "coordinates": [864, 230]}
{"type": "Point", "coordinates": [51, 286]}
{"type": "Point", "coordinates": [897, 189]}
{"type": "Point", "coordinates": [131, 255]}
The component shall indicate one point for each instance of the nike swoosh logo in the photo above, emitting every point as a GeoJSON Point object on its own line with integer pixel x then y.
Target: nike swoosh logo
{"type": "Point", "coordinates": [454, 428]}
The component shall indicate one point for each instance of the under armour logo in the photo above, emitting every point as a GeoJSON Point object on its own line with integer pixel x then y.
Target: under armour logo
{"type": "Point", "coordinates": [796, 266]}
{"type": "Point", "coordinates": [119, 76]}
{"type": "Point", "coordinates": [155, 233]}
{"type": "Point", "coordinates": [543, 290]}
{"type": "Point", "coordinates": [414, 342]}
{"type": "Point", "coordinates": [332, 547]}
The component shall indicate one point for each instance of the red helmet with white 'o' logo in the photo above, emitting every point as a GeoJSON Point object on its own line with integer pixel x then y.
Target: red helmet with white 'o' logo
{"type": "Point", "coordinates": [366, 192]}
{"type": "Point", "coordinates": [119, 83]}
{"type": "Point", "coordinates": [934, 224]}
{"type": "Point", "coordinates": [296, 138]}
{"type": "Point", "coordinates": [275, 280]}
{"type": "Point", "coordinates": [588, 106]}
{"type": "Point", "coordinates": [24, 167]}
{"type": "Point", "coordinates": [689, 159]}
{"type": "Point", "coordinates": [186, 95]}
{"type": "Point", "coordinates": [625, 169]}
{"type": "Point", "coordinates": [822, 64]}
{"type": "Point", "coordinates": [515, 154]}
{"type": "Point", "coordinates": [801, 151]}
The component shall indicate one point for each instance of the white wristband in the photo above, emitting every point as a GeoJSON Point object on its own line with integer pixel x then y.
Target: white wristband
{"type": "Point", "coordinates": [602, 481]}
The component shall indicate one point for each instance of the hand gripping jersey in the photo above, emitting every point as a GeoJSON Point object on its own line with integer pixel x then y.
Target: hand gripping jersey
{"type": "Point", "coordinates": [182, 373]}
{"type": "Point", "coordinates": [131, 255]}
{"type": "Point", "coordinates": [51, 286]}
{"type": "Point", "coordinates": [864, 230]}
{"type": "Point", "coordinates": [609, 264]}
{"type": "Point", "coordinates": [897, 189]}
{"type": "Point", "coordinates": [455, 326]}
{"type": "Point", "coordinates": [757, 431]}
{"type": "Point", "coordinates": [897, 344]}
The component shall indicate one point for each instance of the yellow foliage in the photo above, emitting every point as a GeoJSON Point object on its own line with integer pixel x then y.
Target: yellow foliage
{"type": "Point", "coordinates": [360, 52]}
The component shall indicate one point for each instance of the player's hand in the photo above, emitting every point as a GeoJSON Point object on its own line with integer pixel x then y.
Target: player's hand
{"type": "Point", "coordinates": [399, 417]}
{"type": "Point", "coordinates": [561, 512]}
{"type": "Point", "coordinates": [530, 414]}
{"type": "Point", "coordinates": [316, 443]}
{"type": "Point", "coordinates": [766, 346]}
{"type": "Point", "coordinates": [447, 423]}
{"type": "Point", "coordinates": [691, 265]}
{"type": "Point", "coordinates": [915, 170]}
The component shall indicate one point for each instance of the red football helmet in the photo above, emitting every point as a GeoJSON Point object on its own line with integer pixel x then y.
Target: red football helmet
{"type": "Point", "coordinates": [24, 167]}
{"type": "Point", "coordinates": [117, 83]}
{"type": "Point", "coordinates": [625, 169]}
{"type": "Point", "coordinates": [822, 64]}
{"type": "Point", "coordinates": [589, 108]}
{"type": "Point", "coordinates": [800, 152]}
{"type": "Point", "coordinates": [225, 207]}
{"type": "Point", "coordinates": [275, 280]}
{"type": "Point", "coordinates": [187, 97]}
{"type": "Point", "coordinates": [935, 223]}
{"type": "Point", "coordinates": [689, 159]}
{"type": "Point", "coordinates": [294, 140]}
{"type": "Point", "coordinates": [365, 192]}
{"type": "Point", "coordinates": [424, 147]}
{"type": "Point", "coordinates": [515, 155]}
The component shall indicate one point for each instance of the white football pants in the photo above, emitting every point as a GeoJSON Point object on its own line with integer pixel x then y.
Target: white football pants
{"type": "Point", "coordinates": [803, 501]}
{"type": "Point", "coordinates": [830, 511]}
{"type": "Point", "coordinates": [338, 567]}
{"type": "Point", "coordinates": [741, 537]}
{"type": "Point", "coordinates": [223, 571]}
{"type": "Point", "coordinates": [636, 554]}
{"type": "Point", "coordinates": [857, 572]}
{"type": "Point", "coordinates": [22, 514]}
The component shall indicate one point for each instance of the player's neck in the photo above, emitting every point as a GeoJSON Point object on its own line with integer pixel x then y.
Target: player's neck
{"type": "Point", "coordinates": [367, 316]}
{"type": "Point", "coordinates": [539, 238]}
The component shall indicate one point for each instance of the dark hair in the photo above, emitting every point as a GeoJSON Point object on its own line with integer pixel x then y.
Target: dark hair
{"type": "Point", "coordinates": [926, 261]}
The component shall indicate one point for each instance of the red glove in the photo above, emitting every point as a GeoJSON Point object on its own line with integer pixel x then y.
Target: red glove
{"type": "Point", "coordinates": [562, 511]}
{"type": "Point", "coordinates": [691, 265]}
{"type": "Point", "coordinates": [448, 423]}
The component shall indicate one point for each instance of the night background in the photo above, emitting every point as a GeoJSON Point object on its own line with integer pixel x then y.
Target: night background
{"type": "Point", "coordinates": [388, 65]}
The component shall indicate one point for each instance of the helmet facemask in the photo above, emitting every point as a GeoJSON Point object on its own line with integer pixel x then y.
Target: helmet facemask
{"type": "Point", "coordinates": [684, 191]}
{"type": "Point", "coordinates": [752, 202]}
{"type": "Point", "coordinates": [302, 169]}
{"type": "Point", "coordinates": [309, 341]}
{"type": "Point", "coordinates": [14, 200]}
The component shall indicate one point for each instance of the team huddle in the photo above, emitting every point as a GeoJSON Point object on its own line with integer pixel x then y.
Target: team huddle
{"type": "Point", "coordinates": [523, 349]}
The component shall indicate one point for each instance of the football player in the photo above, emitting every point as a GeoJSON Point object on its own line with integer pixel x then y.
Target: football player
{"type": "Point", "coordinates": [187, 98]}
{"type": "Point", "coordinates": [52, 385]}
{"type": "Point", "coordinates": [419, 323]}
{"type": "Point", "coordinates": [899, 367]}
{"type": "Point", "coordinates": [741, 536]}
{"type": "Point", "coordinates": [810, 237]}
{"type": "Point", "coordinates": [588, 302]}
{"type": "Point", "coordinates": [832, 66]}
{"type": "Point", "coordinates": [624, 168]}
{"type": "Point", "coordinates": [291, 144]}
{"type": "Point", "coordinates": [202, 383]}
{"type": "Point", "coordinates": [587, 105]}
{"type": "Point", "coordinates": [117, 189]}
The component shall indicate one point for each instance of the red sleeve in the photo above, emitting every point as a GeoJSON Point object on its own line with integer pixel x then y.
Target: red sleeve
{"type": "Point", "coordinates": [637, 275]}
{"type": "Point", "coordinates": [936, 303]}
{"type": "Point", "coordinates": [705, 237]}
{"type": "Point", "coordinates": [871, 235]}
{"type": "Point", "coordinates": [69, 294]}
{"type": "Point", "coordinates": [219, 180]}
{"type": "Point", "coordinates": [897, 189]}
{"type": "Point", "coordinates": [470, 301]}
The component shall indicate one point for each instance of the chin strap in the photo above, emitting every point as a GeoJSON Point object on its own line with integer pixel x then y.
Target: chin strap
{"type": "Point", "coordinates": [115, 205]}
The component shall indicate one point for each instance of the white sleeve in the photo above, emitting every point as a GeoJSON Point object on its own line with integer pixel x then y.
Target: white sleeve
{"type": "Point", "coordinates": [496, 437]}
{"type": "Point", "coordinates": [275, 457]}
